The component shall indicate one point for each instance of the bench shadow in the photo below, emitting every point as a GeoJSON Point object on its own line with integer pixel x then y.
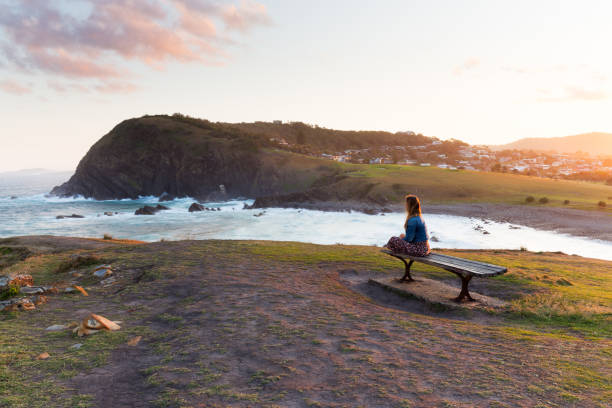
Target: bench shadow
{"type": "Point", "coordinates": [358, 281]}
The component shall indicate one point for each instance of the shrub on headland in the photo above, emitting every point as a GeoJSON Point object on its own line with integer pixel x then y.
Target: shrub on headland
{"type": "Point", "coordinates": [602, 204]}
{"type": "Point", "coordinates": [543, 200]}
{"type": "Point", "coordinates": [566, 202]}
{"type": "Point", "coordinates": [529, 199]}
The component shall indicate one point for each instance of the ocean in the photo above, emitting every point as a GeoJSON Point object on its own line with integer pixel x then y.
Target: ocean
{"type": "Point", "coordinates": [33, 212]}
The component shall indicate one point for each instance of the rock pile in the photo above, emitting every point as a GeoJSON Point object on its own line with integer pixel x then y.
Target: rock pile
{"type": "Point", "coordinates": [199, 207]}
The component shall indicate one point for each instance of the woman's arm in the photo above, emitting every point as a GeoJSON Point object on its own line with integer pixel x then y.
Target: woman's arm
{"type": "Point", "coordinates": [410, 230]}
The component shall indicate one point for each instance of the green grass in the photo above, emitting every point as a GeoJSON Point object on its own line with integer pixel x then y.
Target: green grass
{"type": "Point", "coordinates": [244, 322]}
{"type": "Point", "coordinates": [464, 186]}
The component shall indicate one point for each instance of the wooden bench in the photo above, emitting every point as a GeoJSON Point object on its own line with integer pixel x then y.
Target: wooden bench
{"type": "Point", "coordinates": [464, 268]}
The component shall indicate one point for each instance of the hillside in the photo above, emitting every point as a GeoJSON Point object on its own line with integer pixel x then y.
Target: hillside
{"type": "Point", "coordinates": [181, 156]}
{"type": "Point", "coordinates": [153, 155]}
{"type": "Point", "coordinates": [593, 143]}
{"type": "Point", "coordinates": [272, 324]}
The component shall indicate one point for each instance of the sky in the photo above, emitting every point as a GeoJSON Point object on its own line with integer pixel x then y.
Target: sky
{"type": "Point", "coordinates": [486, 72]}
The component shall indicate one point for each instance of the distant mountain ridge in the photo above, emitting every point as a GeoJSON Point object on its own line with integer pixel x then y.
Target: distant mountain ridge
{"type": "Point", "coordinates": [594, 143]}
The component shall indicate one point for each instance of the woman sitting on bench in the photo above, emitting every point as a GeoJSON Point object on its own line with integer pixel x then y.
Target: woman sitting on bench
{"type": "Point", "coordinates": [415, 242]}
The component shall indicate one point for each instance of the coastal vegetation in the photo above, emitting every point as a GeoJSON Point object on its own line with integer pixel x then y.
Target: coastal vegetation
{"type": "Point", "coordinates": [246, 323]}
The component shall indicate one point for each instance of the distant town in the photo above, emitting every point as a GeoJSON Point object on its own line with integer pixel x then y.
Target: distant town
{"type": "Point", "coordinates": [456, 155]}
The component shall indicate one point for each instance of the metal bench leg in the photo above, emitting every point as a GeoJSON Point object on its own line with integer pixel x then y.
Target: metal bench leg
{"type": "Point", "coordinates": [465, 293]}
{"type": "Point", "coordinates": [407, 277]}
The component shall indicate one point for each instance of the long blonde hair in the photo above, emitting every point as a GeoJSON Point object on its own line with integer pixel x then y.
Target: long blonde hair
{"type": "Point", "coordinates": [413, 208]}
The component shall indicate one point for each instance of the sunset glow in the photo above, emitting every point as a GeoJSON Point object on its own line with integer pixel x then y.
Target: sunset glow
{"type": "Point", "coordinates": [482, 72]}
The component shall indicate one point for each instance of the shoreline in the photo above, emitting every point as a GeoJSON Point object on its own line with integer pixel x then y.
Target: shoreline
{"type": "Point", "coordinates": [582, 223]}
{"type": "Point", "coordinates": [589, 224]}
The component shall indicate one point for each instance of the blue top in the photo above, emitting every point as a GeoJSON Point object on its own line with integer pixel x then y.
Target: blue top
{"type": "Point", "coordinates": [416, 230]}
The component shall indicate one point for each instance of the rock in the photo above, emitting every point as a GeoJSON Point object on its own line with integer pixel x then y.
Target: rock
{"type": "Point", "coordinates": [218, 209]}
{"type": "Point", "coordinates": [61, 217]}
{"type": "Point", "coordinates": [21, 280]}
{"type": "Point", "coordinates": [4, 281]}
{"type": "Point", "coordinates": [13, 197]}
{"type": "Point", "coordinates": [108, 213]}
{"type": "Point", "coordinates": [102, 267]}
{"type": "Point", "coordinates": [26, 304]}
{"type": "Point", "coordinates": [196, 207]}
{"type": "Point", "coordinates": [43, 356]}
{"type": "Point", "coordinates": [103, 273]}
{"type": "Point", "coordinates": [31, 290]}
{"type": "Point", "coordinates": [39, 300]}
{"type": "Point", "coordinates": [370, 211]}
{"type": "Point", "coordinates": [134, 341]}
{"type": "Point", "coordinates": [148, 210]}
{"type": "Point", "coordinates": [56, 327]}
{"type": "Point", "coordinates": [434, 239]}
{"type": "Point", "coordinates": [105, 323]}
{"type": "Point", "coordinates": [94, 324]}
{"type": "Point", "coordinates": [76, 346]}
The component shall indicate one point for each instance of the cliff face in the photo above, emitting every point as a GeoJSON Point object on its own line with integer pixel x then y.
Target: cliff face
{"type": "Point", "coordinates": [160, 154]}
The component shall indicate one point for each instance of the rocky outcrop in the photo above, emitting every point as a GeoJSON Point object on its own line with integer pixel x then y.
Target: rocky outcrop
{"type": "Point", "coordinates": [196, 207]}
{"type": "Point", "coordinates": [149, 210]}
{"type": "Point", "coordinates": [177, 157]}
{"type": "Point", "coordinates": [61, 217]}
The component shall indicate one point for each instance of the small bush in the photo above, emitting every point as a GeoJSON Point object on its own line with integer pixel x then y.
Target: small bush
{"type": "Point", "coordinates": [107, 237]}
{"type": "Point", "coordinates": [566, 202]}
{"type": "Point", "coordinates": [530, 199]}
{"type": "Point", "coordinates": [602, 204]}
{"type": "Point", "coordinates": [523, 249]}
{"type": "Point", "coordinates": [10, 292]}
{"type": "Point", "coordinates": [543, 200]}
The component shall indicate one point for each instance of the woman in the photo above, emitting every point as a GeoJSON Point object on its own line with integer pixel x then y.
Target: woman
{"type": "Point", "coordinates": [415, 241]}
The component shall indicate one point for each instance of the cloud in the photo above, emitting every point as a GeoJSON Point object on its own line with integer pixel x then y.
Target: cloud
{"type": "Point", "coordinates": [14, 88]}
{"type": "Point", "coordinates": [101, 38]}
{"type": "Point", "coordinates": [244, 16]}
{"type": "Point", "coordinates": [469, 64]}
{"type": "Point", "coordinates": [571, 94]}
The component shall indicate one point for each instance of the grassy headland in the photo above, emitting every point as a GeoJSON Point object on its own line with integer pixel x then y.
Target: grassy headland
{"type": "Point", "coordinates": [183, 156]}
{"type": "Point", "coordinates": [438, 186]}
{"type": "Point", "coordinates": [246, 323]}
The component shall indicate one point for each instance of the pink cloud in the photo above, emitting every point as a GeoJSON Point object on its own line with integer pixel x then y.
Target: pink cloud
{"type": "Point", "coordinates": [43, 37]}
{"type": "Point", "coordinates": [247, 14]}
{"type": "Point", "coordinates": [14, 88]}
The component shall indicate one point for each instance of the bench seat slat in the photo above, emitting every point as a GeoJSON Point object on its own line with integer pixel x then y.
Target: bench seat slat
{"type": "Point", "coordinates": [462, 262]}
{"type": "Point", "coordinates": [457, 265]}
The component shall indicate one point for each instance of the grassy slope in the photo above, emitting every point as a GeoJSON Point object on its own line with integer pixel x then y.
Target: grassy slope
{"type": "Point", "coordinates": [270, 324]}
{"type": "Point", "coordinates": [462, 186]}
